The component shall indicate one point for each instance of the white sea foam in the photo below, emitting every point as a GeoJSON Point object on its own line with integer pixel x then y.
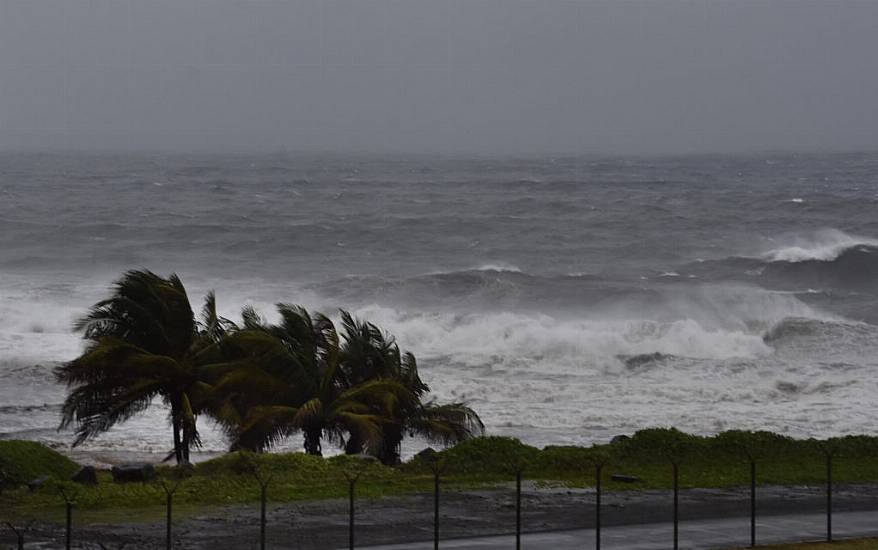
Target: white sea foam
{"type": "Point", "coordinates": [38, 328]}
{"type": "Point", "coordinates": [823, 245]}
{"type": "Point", "coordinates": [548, 379]}
{"type": "Point", "coordinates": [550, 344]}
{"type": "Point", "coordinates": [498, 266]}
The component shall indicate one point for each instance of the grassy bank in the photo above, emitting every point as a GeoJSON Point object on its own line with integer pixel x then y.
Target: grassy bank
{"type": "Point", "coordinates": [717, 461]}
{"type": "Point", "coordinates": [22, 461]}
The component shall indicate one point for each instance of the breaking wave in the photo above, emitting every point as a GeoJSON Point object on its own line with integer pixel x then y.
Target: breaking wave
{"type": "Point", "coordinates": [552, 344]}
{"type": "Point", "coordinates": [826, 245]}
{"type": "Point", "coordinates": [498, 267]}
{"type": "Point", "coordinates": [854, 268]}
{"type": "Point", "coordinates": [833, 260]}
{"type": "Point", "coordinates": [795, 329]}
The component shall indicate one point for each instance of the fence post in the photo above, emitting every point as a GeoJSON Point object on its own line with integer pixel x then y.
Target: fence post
{"type": "Point", "coordinates": [68, 529]}
{"type": "Point", "coordinates": [19, 535]}
{"type": "Point", "coordinates": [597, 506]}
{"type": "Point", "coordinates": [518, 510]}
{"type": "Point", "coordinates": [263, 497]}
{"type": "Point", "coordinates": [352, 475]}
{"type": "Point", "coordinates": [829, 496]}
{"type": "Point", "coordinates": [438, 468]}
{"type": "Point", "coordinates": [352, 482]}
{"type": "Point", "coordinates": [752, 503]}
{"type": "Point", "coordinates": [169, 512]}
{"type": "Point", "coordinates": [263, 482]}
{"type": "Point", "coordinates": [676, 505]}
{"type": "Point", "coordinates": [436, 510]}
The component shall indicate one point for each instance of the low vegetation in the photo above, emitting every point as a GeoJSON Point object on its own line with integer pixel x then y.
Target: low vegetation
{"type": "Point", "coordinates": [484, 462]}
{"type": "Point", "coordinates": [22, 461]}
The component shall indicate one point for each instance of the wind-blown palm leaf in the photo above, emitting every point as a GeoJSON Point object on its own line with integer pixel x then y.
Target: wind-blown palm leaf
{"type": "Point", "coordinates": [368, 354]}
{"type": "Point", "coordinates": [265, 427]}
{"type": "Point", "coordinates": [446, 424]}
{"type": "Point", "coordinates": [211, 325]}
{"type": "Point", "coordinates": [143, 342]}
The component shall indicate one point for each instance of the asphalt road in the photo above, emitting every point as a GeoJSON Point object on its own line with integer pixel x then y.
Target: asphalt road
{"type": "Point", "coordinates": [697, 534]}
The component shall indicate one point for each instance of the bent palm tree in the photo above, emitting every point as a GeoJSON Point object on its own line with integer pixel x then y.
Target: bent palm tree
{"type": "Point", "coordinates": [143, 343]}
{"type": "Point", "coordinates": [444, 424]}
{"type": "Point", "coordinates": [368, 353]}
{"type": "Point", "coordinates": [299, 386]}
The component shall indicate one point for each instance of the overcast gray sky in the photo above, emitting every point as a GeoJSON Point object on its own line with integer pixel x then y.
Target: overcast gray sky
{"type": "Point", "coordinates": [447, 76]}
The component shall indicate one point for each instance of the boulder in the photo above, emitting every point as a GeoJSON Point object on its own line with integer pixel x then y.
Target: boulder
{"type": "Point", "coordinates": [137, 472]}
{"type": "Point", "coordinates": [365, 457]}
{"type": "Point", "coordinates": [36, 483]}
{"type": "Point", "coordinates": [622, 478]}
{"type": "Point", "coordinates": [87, 475]}
{"type": "Point", "coordinates": [427, 454]}
{"type": "Point", "coordinates": [5, 480]}
{"type": "Point", "coordinates": [184, 470]}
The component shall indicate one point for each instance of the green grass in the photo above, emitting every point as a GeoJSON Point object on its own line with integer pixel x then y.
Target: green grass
{"type": "Point", "coordinates": [704, 462]}
{"type": "Point", "coordinates": [22, 461]}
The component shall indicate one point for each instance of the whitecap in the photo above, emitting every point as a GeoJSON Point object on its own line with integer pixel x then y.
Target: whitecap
{"type": "Point", "coordinates": [823, 245]}
{"type": "Point", "coordinates": [499, 266]}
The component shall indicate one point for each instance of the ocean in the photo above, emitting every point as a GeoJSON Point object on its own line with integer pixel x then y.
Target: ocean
{"type": "Point", "coordinates": [567, 300]}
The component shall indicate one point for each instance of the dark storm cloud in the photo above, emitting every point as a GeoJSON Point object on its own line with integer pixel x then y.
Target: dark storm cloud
{"type": "Point", "coordinates": [481, 76]}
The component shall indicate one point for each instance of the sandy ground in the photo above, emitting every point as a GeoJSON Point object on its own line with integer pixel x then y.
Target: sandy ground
{"type": "Point", "coordinates": [324, 524]}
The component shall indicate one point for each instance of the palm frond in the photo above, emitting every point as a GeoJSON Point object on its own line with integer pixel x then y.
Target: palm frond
{"type": "Point", "coordinates": [367, 427]}
{"type": "Point", "coordinates": [446, 424]}
{"type": "Point", "coordinates": [265, 427]}
{"type": "Point", "coordinates": [309, 414]}
{"type": "Point", "coordinates": [252, 319]}
{"type": "Point", "coordinates": [211, 325]}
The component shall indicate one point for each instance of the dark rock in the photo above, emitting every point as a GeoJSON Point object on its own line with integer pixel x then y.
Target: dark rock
{"type": "Point", "coordinates": [5, 480]}
{"type": "Point", "coordinates": [137, 472]}
{"type": "Point", "coordinates": [365, 457]}
{"type": "Point", "coordinates": [622, 478]}
{"type": "Point", "coordinates": [87, 475]}
{"type": "Point", "coordinates": [427, 454]}
{"type": "Point", "coordinates": [183, 471]}
{"type": "Point", "coordinates": [634, 362]}
{"type": "Point", "coordinates": [36, 483]}
{"type": "Point", "coordinates": [619, 439]}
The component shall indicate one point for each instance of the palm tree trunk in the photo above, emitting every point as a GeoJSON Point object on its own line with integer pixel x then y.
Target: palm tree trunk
{"type": "Point", "coordinates": [187, 442]}
{"type": "Point", "coordinates": [354, 445]}
{"type": "Point", "coordinates": [390, 447]}
{"type": "Point", "coordinates": [312, 441]}
{"type": "Point", "coordinates": [175, 424]}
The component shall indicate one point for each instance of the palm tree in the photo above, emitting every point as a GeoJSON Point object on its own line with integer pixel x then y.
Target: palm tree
{"type": "Point", "coordinates": [443, 424]}
{"type": "Point", "coordinates": [367, 354]}
{"type": "Point", "coordinates": [299, 386]}
{"type": "Point", "coordinates": [143, 343]}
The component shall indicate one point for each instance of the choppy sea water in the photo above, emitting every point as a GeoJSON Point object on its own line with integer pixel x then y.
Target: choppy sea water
{"type": "Point", "coordinates": [567, 300]}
